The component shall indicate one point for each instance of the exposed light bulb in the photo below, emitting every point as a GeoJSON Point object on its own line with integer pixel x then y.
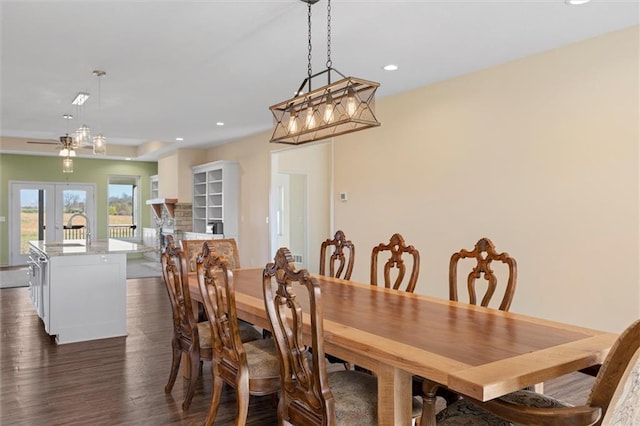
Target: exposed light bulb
{"type": "Point", "coordinates": [327, 116]}
{"type": "Point", "coordinates": [351, 103]}
{"type": "Point", "coordinates": [293, 123]}
{"type": "Point", "coordinates": [310, 121]}
{"type": "Point", "coordinates": [64, 152]}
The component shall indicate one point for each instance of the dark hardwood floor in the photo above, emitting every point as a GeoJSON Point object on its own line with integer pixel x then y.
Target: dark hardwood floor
{"type": "Point", "coordinates": [121, 381]}
{"type": "Point", "coordinates": [117, 381]}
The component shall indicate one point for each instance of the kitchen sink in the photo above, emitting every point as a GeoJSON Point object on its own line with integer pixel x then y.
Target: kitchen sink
{"type": "Point", "coordinates": [63, 244]}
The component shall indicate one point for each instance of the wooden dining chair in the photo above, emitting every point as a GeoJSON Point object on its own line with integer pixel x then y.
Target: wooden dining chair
{"type": "Point", "coordinates": [484, 253]}
{"type": "Point", "coordinates": [340, 263]}
{"type": "Point", "coordinates": [189, 336]}
{"type": "Point", "coordinates": [340, 266]}
{"type": "Point", "coordinates": [614, 397]}
{"type": "Point", "coordinates": [226, 248]}
{"type": "Point", "coordinates": [252, 367]}
{"type": "Point", "coordinates": [310, 395]}
{"type": "Point", "coordinates": [396, 248]}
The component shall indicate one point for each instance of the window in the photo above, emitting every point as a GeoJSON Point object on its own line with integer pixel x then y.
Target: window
{"type": "Point", "coordinates": [123, 205]}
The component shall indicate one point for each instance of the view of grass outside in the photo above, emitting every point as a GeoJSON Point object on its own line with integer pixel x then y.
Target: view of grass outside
{"type": "Point", "coordinates": [120, 212]}
{"type": "Point", "coordinates": [29, 225]}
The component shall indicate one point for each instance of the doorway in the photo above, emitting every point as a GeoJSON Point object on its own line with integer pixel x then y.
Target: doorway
{"type": "Point", "coordinates": [41, 211]}
{"type": "Point", "coordinates": [300, 207]}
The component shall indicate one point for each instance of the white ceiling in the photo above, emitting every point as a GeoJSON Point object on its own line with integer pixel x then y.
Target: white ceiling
{"type": "Point", "coordinates": [175, 68]}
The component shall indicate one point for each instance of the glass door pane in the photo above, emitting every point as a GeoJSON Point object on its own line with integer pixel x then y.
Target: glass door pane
{"type": "Point", "coordinates": [74, 214]}
{"type": "Point", "coordinates": [31, 211]}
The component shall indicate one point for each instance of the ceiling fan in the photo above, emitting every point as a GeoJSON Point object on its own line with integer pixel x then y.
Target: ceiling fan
{"type": "Point", "coordinates": [65, 141]}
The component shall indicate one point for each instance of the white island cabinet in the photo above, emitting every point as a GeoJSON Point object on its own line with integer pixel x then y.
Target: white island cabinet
{"type": "Point", "coordinates": [84, 289]}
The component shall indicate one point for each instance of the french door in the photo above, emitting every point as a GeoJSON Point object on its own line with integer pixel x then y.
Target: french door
{"type": "Point", "coordinates": [41, 211]}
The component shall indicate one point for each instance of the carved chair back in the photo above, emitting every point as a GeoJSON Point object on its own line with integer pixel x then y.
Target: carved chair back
{"type": "Point", "coordinates": [189, 336]}
{"type": "Point", "coordinates": [215, 280]}
{"type": "Point", "coordinates": [174, 273]}
{"type": "Point", "coordinates": [484, 253]}
{"type": "Point", "coordinates": [305, 396]}
{"type": "Point", "coordinates": [231, 358]}
{"type": "Point", "coordinates": [340, 263]}
{"type": "Point", "coordinates": [226, 248]}
{"type": "Point", "coordinates": [617, 387]}
{"type": "Point", "coordinates": [396, 248]}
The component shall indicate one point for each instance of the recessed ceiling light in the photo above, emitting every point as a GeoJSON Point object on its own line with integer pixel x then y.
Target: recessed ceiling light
{"type": "Point", "coordinates": [576, 2]}
{"type": "Point", "coordinates": [127, 158]}
{"type": "Point", "coordinates": [179, 139]}
{"type": "Point", "coordinates": [219, 123]}
{"type": "Point", "coordinates": [390, 67]}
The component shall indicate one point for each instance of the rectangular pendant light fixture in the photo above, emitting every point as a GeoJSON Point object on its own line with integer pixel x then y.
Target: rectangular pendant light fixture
{"type": "Point", "coordinates": [346, 106]}
{"type": "Point", "coordinates": [343, 106]}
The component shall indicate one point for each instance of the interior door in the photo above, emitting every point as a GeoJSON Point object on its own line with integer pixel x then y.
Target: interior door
{"type": "Point", "coordinates": [41, 210]}
{"type": "Point", "coordinates": [300, 202]}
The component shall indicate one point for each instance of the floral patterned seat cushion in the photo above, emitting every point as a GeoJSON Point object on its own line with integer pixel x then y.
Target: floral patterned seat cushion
{"type": "Point", "coordinates": [262, 358]}
{"type": "Point", "coordinates": [465, 413]}
{"type": "Point", "coordinates": [356, 398]}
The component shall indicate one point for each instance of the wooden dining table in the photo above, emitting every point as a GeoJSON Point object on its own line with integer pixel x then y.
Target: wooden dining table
{"type": "Point", "coordinates": [480, 352]}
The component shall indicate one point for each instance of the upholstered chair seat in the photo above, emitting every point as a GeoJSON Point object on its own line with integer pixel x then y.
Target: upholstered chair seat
{"type": "Point", "coordinates": [464, 412]}
{"type": "Point", "coordinates": [356, 398]}
{"type": "Point", "coordinates": [262, 358]}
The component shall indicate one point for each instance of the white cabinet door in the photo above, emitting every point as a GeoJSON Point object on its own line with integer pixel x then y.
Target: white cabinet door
{"type": "Point", "coordinates": [87, 297]}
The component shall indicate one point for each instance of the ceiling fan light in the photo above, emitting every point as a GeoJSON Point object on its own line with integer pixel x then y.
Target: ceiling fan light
{"type": "Point", "coordinates": [67, 165]}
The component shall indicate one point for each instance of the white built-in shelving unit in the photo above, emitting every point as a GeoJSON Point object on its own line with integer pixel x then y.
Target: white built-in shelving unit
{"type": "Point", "coordinates": [215, 197]}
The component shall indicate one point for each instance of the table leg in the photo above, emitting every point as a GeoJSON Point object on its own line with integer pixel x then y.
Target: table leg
{"type": "Point", "coordinates": [394, 396]}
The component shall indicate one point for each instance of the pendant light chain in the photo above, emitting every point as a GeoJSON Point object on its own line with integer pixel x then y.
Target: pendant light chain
{"type": "Point", "coordinates": [309, 71]}
{"type": "Point", "coordinates": [329, 63]}
{"type": "Point", "coordinates": [99, 106]}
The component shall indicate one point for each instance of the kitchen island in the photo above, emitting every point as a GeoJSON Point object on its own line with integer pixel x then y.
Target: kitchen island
{"type": "Point", "coordinates": [80, 291]}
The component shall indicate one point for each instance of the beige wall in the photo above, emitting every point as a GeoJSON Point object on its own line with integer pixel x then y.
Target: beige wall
{"type": "Point", "coordinates": [175, 175]}
{"type": "Point", "coordinates": [539, 154]}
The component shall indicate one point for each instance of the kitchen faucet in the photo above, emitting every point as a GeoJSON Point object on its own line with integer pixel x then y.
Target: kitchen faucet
{"type": "Point", "coordinates": [88, 233]}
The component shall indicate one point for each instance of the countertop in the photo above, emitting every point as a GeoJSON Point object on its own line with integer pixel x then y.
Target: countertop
{"type": "Point", "coordinates": [78, 247]}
